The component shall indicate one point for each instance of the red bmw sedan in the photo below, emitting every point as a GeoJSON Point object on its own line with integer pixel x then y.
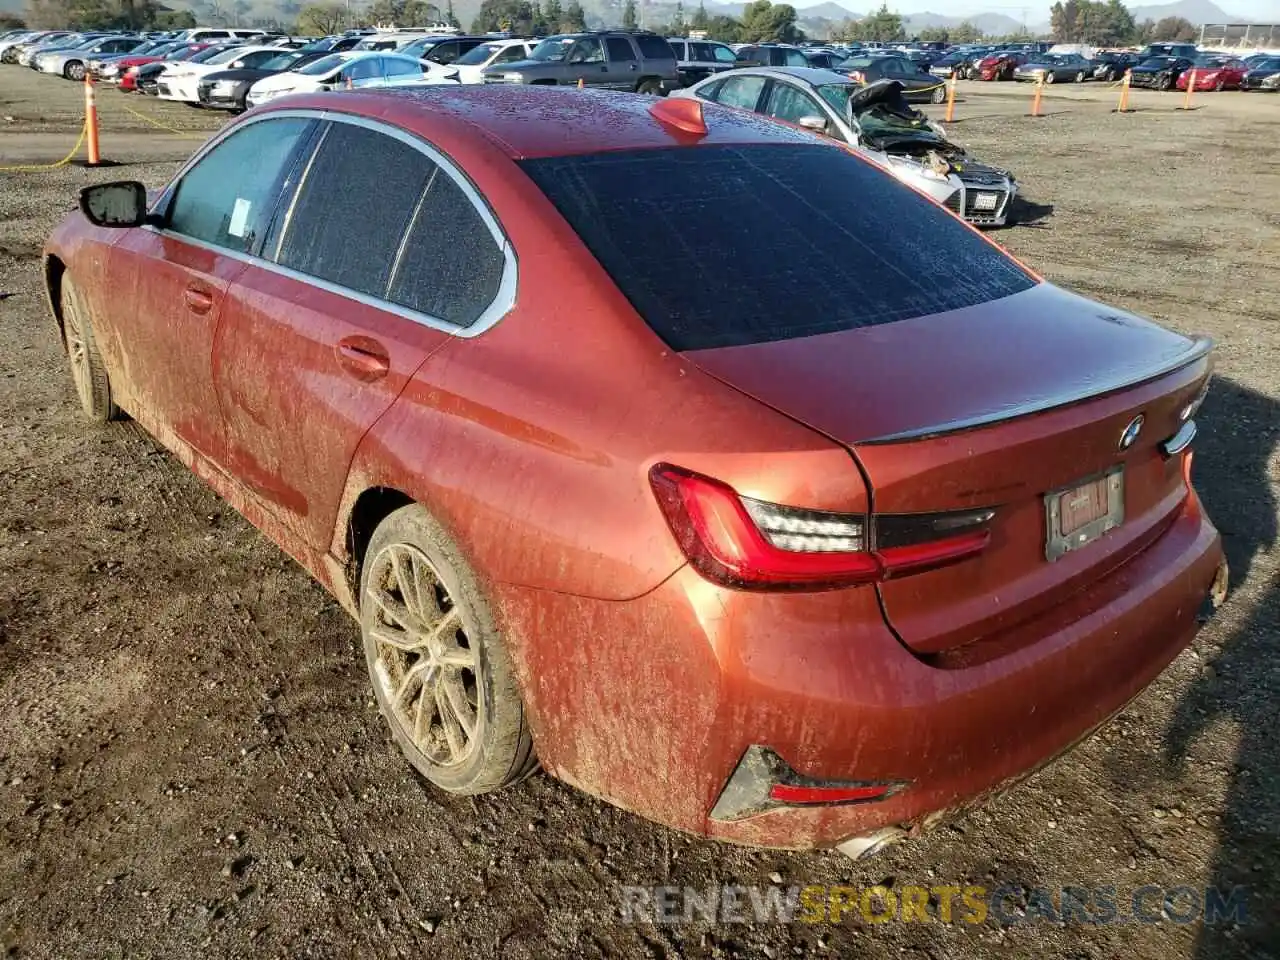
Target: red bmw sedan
{"type": "Point", "coordinates": [769, 535]}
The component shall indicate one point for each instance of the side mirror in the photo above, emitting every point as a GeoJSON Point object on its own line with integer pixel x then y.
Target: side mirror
{"type": "Point", "coordinates": [817, 124]}
{"type": "Point", "coordinates": [120, 204]}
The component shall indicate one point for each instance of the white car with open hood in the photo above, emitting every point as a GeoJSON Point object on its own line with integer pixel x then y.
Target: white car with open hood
{"type": "Point", "coordinates": [876, 121]}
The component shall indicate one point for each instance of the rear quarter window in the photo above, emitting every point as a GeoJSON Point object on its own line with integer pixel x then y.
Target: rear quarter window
{"type": "Point", "coordinates": [842, 245]}
{"type": "Point", "coordinates": [654, 48]}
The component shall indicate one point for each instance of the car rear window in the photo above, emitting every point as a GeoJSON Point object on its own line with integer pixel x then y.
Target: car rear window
{"type": "Point", "coordinates": [834, 243]}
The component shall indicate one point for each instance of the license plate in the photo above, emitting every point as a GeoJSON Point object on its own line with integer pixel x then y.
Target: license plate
{"type": "Point", "coordinates": [1077, 515]}
{"type": "Point", "coordinates": [985, 201]}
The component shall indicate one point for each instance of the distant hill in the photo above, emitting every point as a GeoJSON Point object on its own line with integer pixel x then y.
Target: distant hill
{"type": "Point", "coordinates": [993, 24]}
{"type": "Point", "coordinates": [827, 11]}
{"type": "Point", "coordinates": [1197, 11]}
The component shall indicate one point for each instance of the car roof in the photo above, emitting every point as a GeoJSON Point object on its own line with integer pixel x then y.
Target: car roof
{"type": "Point", "coordinates": [527, 121]}
{"type": "Point", "coordinates": [811, 75]}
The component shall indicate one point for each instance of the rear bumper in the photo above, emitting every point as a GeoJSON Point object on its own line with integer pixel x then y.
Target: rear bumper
{"type": "Point", "coordinates": [652, 703]}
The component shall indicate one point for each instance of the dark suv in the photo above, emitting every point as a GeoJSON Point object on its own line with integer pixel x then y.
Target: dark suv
{"type": "Point", "coordinates": [772, 55]}
{"type": "Point", "coordinates": [611, 59]}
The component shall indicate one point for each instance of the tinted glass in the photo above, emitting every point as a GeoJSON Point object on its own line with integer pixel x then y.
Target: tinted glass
{"type": "Point", "coordinates": [587, 51]}
{"type": "Point", "coordinates": [509, 55]}
{"type": "Point", "coordinates": [450, 266]}
{"type": "Point", "coordinates": [353, 208]}
{"type": "Point", "coordinates": [654, 48]}
{"type": "Point", "coordinates": [822, 265]}
{"type": "Point", "coordinates": [226, 199]}
{"type": "Point", "coordinates": [741, 92]}
{"type": "Point", "coordinates": [790, 103]}
{"type": "Point", "coordinates": [620, 49]}
{"type": "Point", "coordinates": [446, 52]}
{"type": "Point", "coordinates": [794, 58]}
{"type": "Point", "coordinates": [394, 67]}
{"type": "Point", "coordinates": [480, 54]}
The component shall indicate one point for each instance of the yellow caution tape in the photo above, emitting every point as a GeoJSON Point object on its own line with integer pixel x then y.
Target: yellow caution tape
{"type": "Point", "coordinates": [33, 167]}
{"type": "Point", "coordinates": [156, 123]}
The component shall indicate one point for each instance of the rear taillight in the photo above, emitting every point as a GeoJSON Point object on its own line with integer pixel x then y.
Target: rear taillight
{"type": "Point", "coordinates": [751, 544]}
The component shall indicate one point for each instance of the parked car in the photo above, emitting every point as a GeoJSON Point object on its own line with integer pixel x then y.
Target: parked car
{"type": "Point", "coordinates": [1185, 51]}
{"type": "Point", "coordinates": [1053, 67]}
{"type": "Point", "coordinates": [10, 45]}
{"type": "Point", "coordinates": [143, 77]}
{"type": "Point", "coordinates": [1159, 73]}
{"type": "Point", "coordinates": [953, 63]}
{"type": "Point", "coordinates": [824, 59]}
{"type": "Point", "coordinates": [29, 57]}
{"type": "Point", "coordinates": [228, 89]}
{"type": "Point", "coordinates": [919, 87]}
{"type": "Point", "coordinates": [878, 123]}
{"type": "Point", "coordinates": [469, 68]}
{"type": "Point", "coordinates": [181, 81]}
{"type": "Point", "coordinates": [97, 64]}
{"type": "Point", "coordinates": [612, 60]}
{"type": "Point", "coordinates": [1001, 64]}
{"type": "Point", "coordinates": [698, 59]}
{"type": "Point", "coordinates": [821, 610]}
{"type": "Point", "coordinates": [1265, 75]}
{"type": "Point", "coordinates": [332, 44]}
{"type": "Point", "coordinates": [355, 69]}
{"type": "Point", "coordinates": [71, 64]}
{"type": "Point", "coordinates": [17, 51]}
{"type": "Point", "coordinates": [442, 50]}
{"type": "Point", "coordinates": [1111, 65]}
{"type": "Point", "coordinates": [1214, 73]}
{"type": "Point", "coordinates": [1254, 59]}
{"type": "Point", "coordinates": [772, 55]}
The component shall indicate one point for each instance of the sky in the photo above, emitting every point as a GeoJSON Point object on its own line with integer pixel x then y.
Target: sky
{"type": "Point", "coordinates": [1252, 11]}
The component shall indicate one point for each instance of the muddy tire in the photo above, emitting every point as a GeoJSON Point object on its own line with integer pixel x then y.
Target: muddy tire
{"type": "Point", "coordinates": [439, 667]}
{"type": "Point", "coordinates": [88, 372]}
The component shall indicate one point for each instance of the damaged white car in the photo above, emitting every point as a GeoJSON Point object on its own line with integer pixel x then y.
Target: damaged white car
{"type": "Point", "coordinates": [878, 123]}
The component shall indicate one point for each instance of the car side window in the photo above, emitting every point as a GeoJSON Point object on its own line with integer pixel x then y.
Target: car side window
{"type": "Point", "coordinates": [587, 51]}
{"type": "Point", "coordinates": [794, 58]}
{"type": "Point", "coordinates": [366, 69]}
{"type": "Point", "coordinates": [653, 48]}
{"type": "Point", "coordinates": [790, 103]}
{"type": "Point", "coordinates": [330, 232]}
{"type": "Point", "coordinates": [511, 55]}
{"type": "Point", "coordinates": [450, 265]}
{"type": "Point", "coordinates": [620, 50]}
{"type": "Point", "coordinates": [724, 55]}
{"type": "Point", "coordinates": [446, 52]}
{"type": "Point", "coordinates": [257, 58]}
{"type": "Point", "coordinates": [711, 91]}
{"type": "Point", "coordinates": [892, 68]}
{"type": "Point", "coordinates": [227, 198]}
{"type": "Point", "coordinates": [743, 92]}
{"type": "Point", "coordinates": [400, 68]}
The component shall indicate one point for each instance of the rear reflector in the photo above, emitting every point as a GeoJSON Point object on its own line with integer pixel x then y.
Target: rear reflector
{"type": "Point", "coordinates": [751, 544]}
{"type": "Point", "coordinates": [763, 781]}
{"type": "Point", "coordinates": [799, 795]}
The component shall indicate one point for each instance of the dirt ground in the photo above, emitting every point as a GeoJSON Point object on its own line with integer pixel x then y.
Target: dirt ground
{"type": "Point", "coordinates": [191, 763]}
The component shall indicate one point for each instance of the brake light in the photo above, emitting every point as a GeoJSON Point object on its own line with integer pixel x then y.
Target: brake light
{"type": "Point", "coordinates": [750, 544]}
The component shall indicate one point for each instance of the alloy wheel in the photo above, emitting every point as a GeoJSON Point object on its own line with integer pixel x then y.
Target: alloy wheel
{"type": "Point", "coordinates": [77, 353]}
{"type": "Point", "coordinates": [76, 71]}
{"type": "Point", "coordinates": [430, 677]}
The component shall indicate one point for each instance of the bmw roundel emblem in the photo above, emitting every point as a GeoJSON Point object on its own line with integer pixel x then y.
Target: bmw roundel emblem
{"type": "Point", "coordinates": [1131, 432]}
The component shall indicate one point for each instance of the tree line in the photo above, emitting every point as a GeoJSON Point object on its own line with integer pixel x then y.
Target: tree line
{"type": "Point", "coordinates": [1095, 22]}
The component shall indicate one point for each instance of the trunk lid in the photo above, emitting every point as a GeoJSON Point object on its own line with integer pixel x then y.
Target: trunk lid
{"type": "Point", "coordinates": [992, 406]}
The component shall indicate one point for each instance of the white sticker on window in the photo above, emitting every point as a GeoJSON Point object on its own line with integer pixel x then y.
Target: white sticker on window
{"type": "Point", "coordinates": [239, 217]}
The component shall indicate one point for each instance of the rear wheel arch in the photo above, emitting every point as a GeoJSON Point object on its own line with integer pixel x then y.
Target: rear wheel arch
{"type": "Point", "coordinates": [370, 508]}
{"type": "Point", "coordinates": [54, 269]}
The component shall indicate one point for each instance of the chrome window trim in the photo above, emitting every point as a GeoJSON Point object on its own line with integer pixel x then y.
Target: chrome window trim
{"type": "Point", "coordinates": [503, 301]}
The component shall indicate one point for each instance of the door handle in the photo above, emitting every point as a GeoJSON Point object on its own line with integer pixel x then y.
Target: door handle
{"type": "Point", "coordinates": [200, 301]}
{"type": "Point", "coordinates": [363, 358]}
